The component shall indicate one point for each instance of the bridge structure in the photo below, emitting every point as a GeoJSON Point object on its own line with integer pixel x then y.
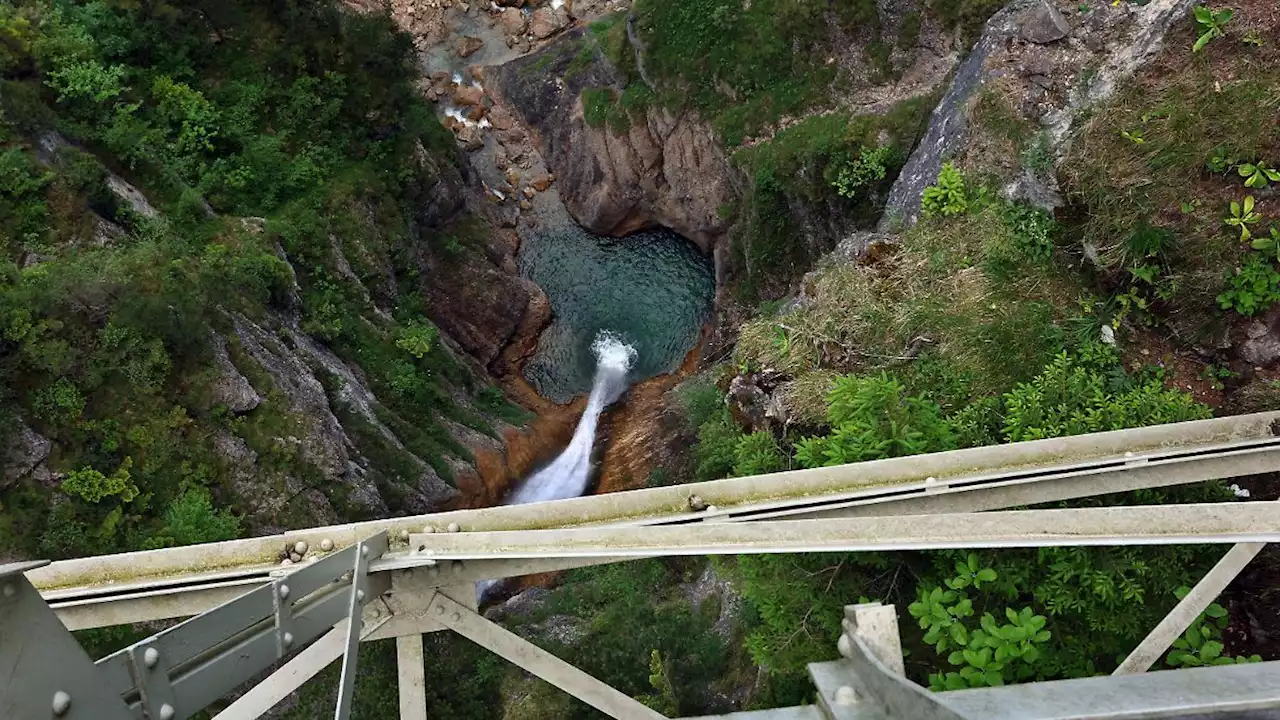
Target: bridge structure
{"type": "Point", "coordinates": [266, 614]}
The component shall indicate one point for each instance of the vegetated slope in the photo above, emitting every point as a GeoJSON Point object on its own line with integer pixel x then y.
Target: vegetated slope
{"type": "Point", "coordinates": [994, 322]}
{"type": "Point", "coordinates": [239, 326]}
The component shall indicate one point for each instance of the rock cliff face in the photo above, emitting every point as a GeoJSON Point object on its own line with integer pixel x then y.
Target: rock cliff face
{"type": "Point", "coordinates": [1050, 63]}
{"type": "Point", "coordinates": [666, 169]}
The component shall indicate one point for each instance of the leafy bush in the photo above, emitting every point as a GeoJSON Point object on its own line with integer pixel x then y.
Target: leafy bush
{"type": "Point", "coordinates": [192, 519]}
{"type": "Point", "coordinates": [872, 417]}
{"type": "Point", "coordinates": [1068, 398]}
{"type": "Point", "coordinates": [1252, 288]}
{"type": "Point", "coordinates": [1200, 644]}
{"type": "Point", "coordinates": [757, 454]}
{"type": "Point", "coordinates": [948, 196]}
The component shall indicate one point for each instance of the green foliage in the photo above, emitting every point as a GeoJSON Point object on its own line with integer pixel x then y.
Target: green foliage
{"type": "Point", "coordinates": [1201, 643]}
{"type": "Point", "coordinates": [1069, 398]}
{"type": "Point", "coordinates": [1242, 215]}
{"type": "Point", "coordinates": [988, 655]}
{"type": "Point", "coordinates": [1252, 288]}
{"type": "Point", "coordinates": [192, 519]}
{"type": "Point", "coordinates": [701, 400]}
{"type": "Point", "coordinates": [23, 207]}
{"type": "Point", "coordinates": [305, 116]}
{"type": "Point", "coordinates": [757, 454]}
{"type": "Point", "coordinates": [835, 164]}
{"type": "Point", "coordinates": [867, 168]}
{"type": "Point", "coordinates": [1257, 175]}
{"type": "Point", "coordinates": [417, 339]}
{"type": "Point", "coordinates": [92, 486]}
{"type": "Point", "coordinates": [873, 417]}
{"type": "Point", "coordinates": [1209, 25]}
{"type": "Point", "coordinates": [948, 196]}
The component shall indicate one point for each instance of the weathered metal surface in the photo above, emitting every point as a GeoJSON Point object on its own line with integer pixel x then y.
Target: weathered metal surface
{"type": "Point", "coordinates": [411, 677]}
{"type": "Point", "coordinates": [44, 673]}
{"type": "Point", "coordinates": [151, 569]}
{"type": "Point", "coordinates": [360, 592]}
{"type": "Point", "coordinates": [1130, 525]}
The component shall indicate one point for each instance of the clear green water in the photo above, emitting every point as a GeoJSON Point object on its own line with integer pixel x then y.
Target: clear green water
{"type": "Point", "coordinates": [654, 289]}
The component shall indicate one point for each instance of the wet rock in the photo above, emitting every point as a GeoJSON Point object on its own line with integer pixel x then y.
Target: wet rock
{"type": "Point", "coordinates": [25, 457]}
{"type": "Point", "coordinates": [513, 22]}
{"type": "Point", "coordinates": [513, 177]}
{"type": "Point", "coordinates": [547, 21]}
{"type": "Point", "coordinates": [468, 45]}
{"type": "Point", "coordinates": [526, 206]}
{"type": "Point", "coordinates": [476, 113]}
{"type": "Point", "coordinates": [528, 192]}
{"type": "Point", "coordinates": [1043, 24]}
{"type": "Point", "coordinates": [467, 95]}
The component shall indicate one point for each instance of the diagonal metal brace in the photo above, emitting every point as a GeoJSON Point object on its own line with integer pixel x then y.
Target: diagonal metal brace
{"type": "Point", "coordinates": [366, 552]}
{"type": "Point", "coordinates": [512, 647]}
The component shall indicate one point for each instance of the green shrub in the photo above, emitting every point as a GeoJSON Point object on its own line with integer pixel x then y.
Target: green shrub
{"type": "Point", "coordinates": [192, 519]}
{"type": "Point", "coordinates": [757, 454]}
{"type": "Point", "coordinates": [1070, 399]}
{"type": "Point", "coordinates": [873, 417]}
{"type": "Point", "coordinates": [948, 196]}
{"type": "Point", "coordinates": [1252, 288]}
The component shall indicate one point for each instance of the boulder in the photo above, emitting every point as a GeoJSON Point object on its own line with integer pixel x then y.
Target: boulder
{"type": "Point", "coordinates": [1261, 345]}
{"type": "Point", "coordinates": [467, 95]}
{"type": "Point", "coordinates": [468, 45]}
{"type": "Point", "coordinates": [512, 22]}
{"type": "Point", "coordinates": [547, 21]}
{"type": "Point", "coordinates": [25, 457]}
{"type": "Point", "coordinates": [1043, 24]}
{"type": "Point", "coordinates": [542, 182]}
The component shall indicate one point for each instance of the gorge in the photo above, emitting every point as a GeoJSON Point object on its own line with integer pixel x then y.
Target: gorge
{"type": "Point", "coordinates": [268, 266]}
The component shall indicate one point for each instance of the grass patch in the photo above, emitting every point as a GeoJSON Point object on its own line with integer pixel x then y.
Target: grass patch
{"type": "Point", "coordinates": [1159, 162]}
{"type": "Point", "coordinates": [966, 286]}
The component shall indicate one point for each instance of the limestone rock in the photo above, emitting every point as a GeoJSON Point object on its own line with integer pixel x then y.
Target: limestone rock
{"type": "Point", "coordinates": [547, 21]}
{"type": "Point", "coordinates": [468, 45]}
{"type": "Point", "coordinates": [512, 21]}
{"type": "Point", "coordinates": [668, 169]}
{"type": "Point", "coordinates": [542, 182]}
{"type": "Point", "coordinates": [1261, 345]}
{"type": "Point", "coordinates": [1113, 41]}
{"type": "Point", "coordinates": [25, 457]}
{"type": "Point", "coordinates": [467, 95]}
{"type": "Point", "coordinates": [1043, 24]}
{"type": "Point", "coordinates": [231, 388]}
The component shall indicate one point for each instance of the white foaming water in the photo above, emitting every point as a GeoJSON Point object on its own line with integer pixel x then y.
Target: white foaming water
{"type": "Point", "coordinates": [567, 475]}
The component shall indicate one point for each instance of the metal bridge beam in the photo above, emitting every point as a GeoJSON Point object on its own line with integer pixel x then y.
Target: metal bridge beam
{"type": "Point", "coordinates": [1221, 447]}
{"type": "Point", "coordinates": [1126, 525]}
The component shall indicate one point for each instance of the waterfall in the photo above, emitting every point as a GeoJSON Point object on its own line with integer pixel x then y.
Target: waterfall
{"type": "Point", "coordinates": [568, 474]}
